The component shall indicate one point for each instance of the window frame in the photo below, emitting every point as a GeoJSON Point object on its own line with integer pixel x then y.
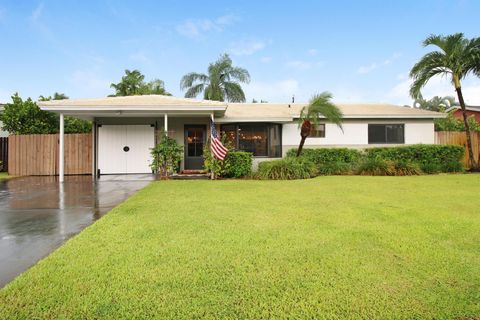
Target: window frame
{"type": "Point", "coordinates": [313, 129]}
{"type": "Point", "coordinates": [385, 125]}
{"type": "Point", "coordinates": [264, 125]}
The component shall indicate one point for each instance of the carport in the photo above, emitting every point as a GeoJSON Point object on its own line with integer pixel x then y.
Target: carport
{"type": "Point", "coordinates": [126, 128]}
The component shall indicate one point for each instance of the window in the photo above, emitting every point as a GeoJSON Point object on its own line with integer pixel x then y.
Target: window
{"type": "Point", "coordinates": [317, 131]}
{"type": "Point", "coordinates": [386, 133]}
{"type": "Point", "coordinates": [262, 139]}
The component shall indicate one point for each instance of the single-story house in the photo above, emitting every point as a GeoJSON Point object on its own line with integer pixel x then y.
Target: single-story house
{"type": "Point", "coordinates": [125, 128]}
{"type": "Point", "coordinates": [471, 111]}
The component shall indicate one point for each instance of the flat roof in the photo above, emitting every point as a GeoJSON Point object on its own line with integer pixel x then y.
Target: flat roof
{"type": "Point", "coordinates": [155, 105]}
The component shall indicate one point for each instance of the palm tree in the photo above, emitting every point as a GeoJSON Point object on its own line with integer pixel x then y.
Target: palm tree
{"type": "Point", "coordinates": [320, 105]}
{"type": "Point", "coordinates": [439, 104]}
{"type": "Point", "coordinates": [455, 58]}
{"type": "Point", "coordinates": [130, 85]}
{"type": "Point", "coordinates": [221, 83]}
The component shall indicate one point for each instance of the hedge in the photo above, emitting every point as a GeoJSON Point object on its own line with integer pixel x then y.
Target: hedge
{"type": "Point", "coordinates": [238, 164]}
{"type": "Point", "coordinates": [422, 154]}
{"type": "Point", "coordinates": [322, 156]}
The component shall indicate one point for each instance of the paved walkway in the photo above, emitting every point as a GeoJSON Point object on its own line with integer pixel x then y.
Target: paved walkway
{"type": "Point", "coordinates": [37, 214]}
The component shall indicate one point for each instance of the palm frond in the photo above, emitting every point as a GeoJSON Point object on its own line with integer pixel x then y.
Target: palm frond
{"type": "Point", "coordinates": [189, 79]}
{"type": "Point", "coordinates": [239, 74]}
{"type": "Point", "coordinates": [234, 92]}
{"type": "Point", "coordinates": [193, 91]}
{"type": "Point", "coordinates": [432, 64]}
{"type": "Point", "coordinates": [320, 105]}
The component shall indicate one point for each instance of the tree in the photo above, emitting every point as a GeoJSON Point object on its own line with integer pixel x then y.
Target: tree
{"type": "Point", "coordinates": [155, 86]}
{"type": "Point", "coordinates": [439, 104]}
{"type": "Point", "coordinates": [132, 83]}
{"type": "Point", "coordinates": [25, 117]}
{"type": "Point", "coordinates": [456, 57]}
{"type": "Point", "coordinates": [319, 105]}
{"type": "Point", "coordinates": [56, 96]}
{"type": "Point", "coordinates": [220, 84]}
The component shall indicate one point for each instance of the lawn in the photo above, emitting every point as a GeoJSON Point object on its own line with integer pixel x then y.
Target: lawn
{"type": "Point", "coordinates": [331, 247]}
{"type": "Point", "coordinates": [4, 176]}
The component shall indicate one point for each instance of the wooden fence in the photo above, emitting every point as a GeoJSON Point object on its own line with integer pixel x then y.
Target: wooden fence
{"type": "Point", "coordinates": [459, 138]}
{"type": "Point", "coordinates": [4, 154]}
{"type": "Point", "coordinates": [37, 154]}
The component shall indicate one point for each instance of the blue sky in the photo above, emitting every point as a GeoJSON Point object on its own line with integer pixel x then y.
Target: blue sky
{"type": "Point", "coordinates": [361, 51]}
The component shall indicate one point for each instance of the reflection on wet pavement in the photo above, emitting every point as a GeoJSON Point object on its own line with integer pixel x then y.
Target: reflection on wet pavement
{"type": "Point", "coordinates": [37, 214]}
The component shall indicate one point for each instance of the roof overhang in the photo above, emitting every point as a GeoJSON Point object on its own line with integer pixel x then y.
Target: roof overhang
{"type": "Point", "coordinates": [125, 111]}
{"type": "Point", "coordinates": [262, 119]}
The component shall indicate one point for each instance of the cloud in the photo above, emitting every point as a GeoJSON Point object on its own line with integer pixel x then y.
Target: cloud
{"type": "Point", "coordinates": [246, 47]}
{"type": "Point", "coordinates": [279, 91]}
{"type": "Point", "coordinates": [437, 86]}
{"type": "Point", "coordinates": [140, 57]}
{"type": "Point", "coordinates": [304, 65]}
{"type": "Point", "coordinates": [312, 52]}
{"type": "Point", "coordinates": [375, 65]}
{"type": "Point", "coordinates": [197, 28]}
{"type": "Point", "coordinates": [266, 59]}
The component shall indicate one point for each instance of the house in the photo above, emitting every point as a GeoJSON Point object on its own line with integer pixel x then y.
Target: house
{"type": "Point", "coordinates": [471, 111]}
{"type": "Point", "coordinates": [125, 128]}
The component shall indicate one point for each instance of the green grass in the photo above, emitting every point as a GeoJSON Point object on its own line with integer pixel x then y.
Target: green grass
{"type": "Point", "coordinates": [331, 247]}
{"type": "Point", "coordinates": [4, 176]}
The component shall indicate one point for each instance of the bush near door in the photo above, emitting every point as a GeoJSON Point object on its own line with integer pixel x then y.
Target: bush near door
{"type": "Point", "coordinates": [167, 155]}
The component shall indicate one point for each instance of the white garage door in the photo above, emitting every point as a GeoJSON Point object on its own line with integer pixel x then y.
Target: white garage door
{"type": "Point", "coordinates": [125, 148]}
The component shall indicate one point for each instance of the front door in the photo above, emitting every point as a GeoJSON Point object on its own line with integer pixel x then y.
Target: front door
{"type": "Point", "coordinates": [194, 143]}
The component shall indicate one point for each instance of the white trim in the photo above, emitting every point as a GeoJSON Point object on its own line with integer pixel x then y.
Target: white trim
{"type": "Point", "coordinates": [133, 108]}
{"type": "Point", "coordinates": [61, 153]}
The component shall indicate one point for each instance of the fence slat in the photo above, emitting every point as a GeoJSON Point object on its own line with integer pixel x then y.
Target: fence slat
{"type": "Point", "coordinates": [38, 154]}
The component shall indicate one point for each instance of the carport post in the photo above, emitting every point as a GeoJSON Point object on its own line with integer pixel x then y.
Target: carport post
{"type": "Point", "coordinates": [61, 153]}
{"type": "Point", "coordinates": [165, 124]}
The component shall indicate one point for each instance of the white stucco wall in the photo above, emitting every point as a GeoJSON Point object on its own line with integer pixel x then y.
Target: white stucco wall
{"type": "Point", "coordinates": [419, 132]}
{"type": "Point", "coordinates": [355, 134]}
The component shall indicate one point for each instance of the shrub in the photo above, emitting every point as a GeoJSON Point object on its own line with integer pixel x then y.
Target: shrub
{"type": "Point", "coordinates": [167, 155]}
{"type": "Point", "coordinates": [452, 166]}
{"type": "Point", "coordinates": [376, 167]}
{"type": "Point", "coordinates": [420, 153]}
{"type": "Point", "coordinates": [238, 164]}
{"type": "Point", "coordinates": [406, 168]}
{"type": "Point", "coordinates": [431, 167]}
{"type": "Point", "coordinates": [321, 156]}
{"type": "Point", "coordinates": [335, 168]}
{"type": "Point", "coordinates": [287, 169]}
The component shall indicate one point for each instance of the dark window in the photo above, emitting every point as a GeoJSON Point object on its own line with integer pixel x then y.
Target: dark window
{"type": "Point", "coordinates": [386, 133]}
{"type": "Point", "coordinates": [261, 139]}
{"type": "Point", "coordinates": [317, 131]}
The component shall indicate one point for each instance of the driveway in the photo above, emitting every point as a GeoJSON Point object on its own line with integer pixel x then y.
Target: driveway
{"type": "Point", "coordinates": [37, 214]}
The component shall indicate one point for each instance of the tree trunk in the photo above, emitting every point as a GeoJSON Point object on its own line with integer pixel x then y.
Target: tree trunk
{"type": "Point", "coordinates": [304, 132]}
{"type": "Point", "coordinates": [467, 129]}
{"type": "Point", "coordinates": [300, 147]}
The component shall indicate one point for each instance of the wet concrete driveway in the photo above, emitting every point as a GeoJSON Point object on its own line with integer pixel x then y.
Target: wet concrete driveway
{"type": "Point", "coordinates": [37, 214]}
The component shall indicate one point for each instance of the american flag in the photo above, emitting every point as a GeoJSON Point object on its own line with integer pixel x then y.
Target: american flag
{"type": "Point", "coordinates": [217, 148]}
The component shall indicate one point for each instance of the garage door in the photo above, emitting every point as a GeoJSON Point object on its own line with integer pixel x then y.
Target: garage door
{"type": "Point", "coordinates": [125, 148]}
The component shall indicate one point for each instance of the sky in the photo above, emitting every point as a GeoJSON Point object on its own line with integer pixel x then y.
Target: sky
{"type": "Point", "coordinates": [360, 51]}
